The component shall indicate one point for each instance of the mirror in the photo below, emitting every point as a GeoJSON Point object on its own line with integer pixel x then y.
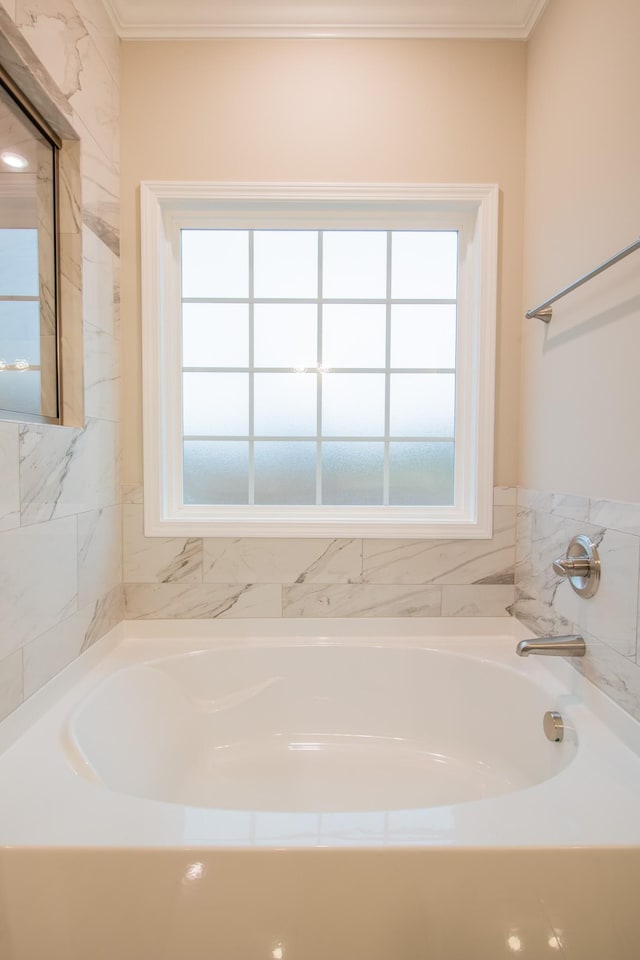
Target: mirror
{"type": "Point", "coordinates": [28, 264]}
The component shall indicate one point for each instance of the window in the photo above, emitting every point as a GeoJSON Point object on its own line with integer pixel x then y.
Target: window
{"type": "Point", "coordinates": [318, 360]}
{"type": "Point", "coordinates": [28, 261]}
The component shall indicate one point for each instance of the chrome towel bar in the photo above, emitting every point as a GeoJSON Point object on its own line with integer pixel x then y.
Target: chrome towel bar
{"type": "Point", "coordinates": [544, 312]}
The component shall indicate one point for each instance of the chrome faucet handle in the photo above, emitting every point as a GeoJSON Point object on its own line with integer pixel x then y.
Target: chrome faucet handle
{"type": "Point", "coordinates": [581, 566]}
{"type": "Point", "coordinates": [572, 567]}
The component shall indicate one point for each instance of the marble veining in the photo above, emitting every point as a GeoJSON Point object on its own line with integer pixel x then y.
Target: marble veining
{"type": "Point", "coordinates": [282, 560]}
{"type": "Point", "coordinates": [166, 600]}
{"type": "Point", "coordinates": [547, 605]}
{"type": "Point", "coordinates": [60, 522]}
{"type": "Point", "coordinates": [360, 600]}
{"type": "Point", "coordinates": [10, 474]}
{"type": "Point", "coordinates": [65, 471]}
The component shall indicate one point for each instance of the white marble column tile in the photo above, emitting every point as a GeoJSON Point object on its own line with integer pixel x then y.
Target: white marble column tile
{"type": "Point", "coordinates": [445, 561]}
{"type": "Point", "coordinates": [487, 600]}
{"type": "Point", "coordinates": [360, 600]}
{"type": "Point", "coordinates": [100, 194]}
{"type": "Point", "coordinates": [258, 560]}
{"type": "Point", "coordinates": [97, 100]}
{"type": "Point", "coordinates": [10, 476]}
{"type": "Point", "coordinates": [524, 527]}
{"type": "Point", "coordinates": [99, 553]}
{"type": "Point", "coordinates": [65, 471]}
{"type": "Point", "coordinates": [97, 283]}
{"type": "Point", "coordinates": [612, 614]}
{"type": "Point", "coordinates": [38, 580]}
{"type": "Point", "coordinates": [11, 683]}
{"type": "Point", "coordinates": [101, 30]}
{"type": "Point", "coordinates": [160, 601]}
{"type": "Point", "coordinates": [157, 559]}
{"type": "Point", "coordinates": [616, 515]}
{"type": "Point", "coordinates": [101, 374]}
{"type": "Point", "coordinates": [53, 29]}
{"type": "Point", "coordinates": [49, 653]}
{"type": "Point", "coordinates": [614, 674]}
{"type": "Point", "coordinates": [106, 613]}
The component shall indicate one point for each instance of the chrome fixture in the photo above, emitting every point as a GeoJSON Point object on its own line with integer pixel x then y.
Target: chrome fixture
{"type": "Point", "coordinates": [572, 645]}
{"type": "Point", "coordinates": [544, 312]}
{"type": "Point", "coordinates": [581, 566]}
{"type": "Point", "coordinates": [553, 726]}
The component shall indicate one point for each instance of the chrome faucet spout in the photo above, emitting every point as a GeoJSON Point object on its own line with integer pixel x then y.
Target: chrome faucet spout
{"type": "Point", "coordinates": [572, 645]}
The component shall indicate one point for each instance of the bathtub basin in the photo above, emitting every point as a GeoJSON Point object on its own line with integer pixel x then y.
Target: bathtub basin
{"type": "Point", "coordinates": [316, 726]}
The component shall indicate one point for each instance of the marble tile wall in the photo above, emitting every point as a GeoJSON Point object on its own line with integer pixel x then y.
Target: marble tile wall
{"type": "Point", "coordinates": [318, 578]}
{"type": "Point", "coordinates": [547, 605]}
{"type": "Point", "coordinates": [60, 510]}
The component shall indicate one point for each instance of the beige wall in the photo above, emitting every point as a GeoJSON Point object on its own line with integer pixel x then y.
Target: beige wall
{"type": "Point", "coordinates": [325, 110]}
{"type": "Point", "coordinates": [581, 387]}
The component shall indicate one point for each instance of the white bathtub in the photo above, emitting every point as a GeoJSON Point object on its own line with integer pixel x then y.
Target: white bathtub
{"type": "Point", "coordinates": [304, 789]}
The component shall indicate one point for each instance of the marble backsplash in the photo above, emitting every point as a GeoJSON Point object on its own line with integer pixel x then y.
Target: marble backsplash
{"type": "Point", "coordinates": [60, 511]}
{"type": "Point", "coordinates": [548, 606]}
{"type": "Point", "coordinates": [318, 578]}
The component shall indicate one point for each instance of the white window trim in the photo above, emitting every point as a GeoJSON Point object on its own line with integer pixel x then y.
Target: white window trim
{"type": "Point", "coordinates": [165, 204]}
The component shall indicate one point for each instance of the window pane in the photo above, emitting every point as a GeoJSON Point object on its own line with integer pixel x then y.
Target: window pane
{"type": "Point", "coordinates": [215, 335]}
{"type": "Point", "coordinates": [423, 335]}
{"type": "Point", "coordinates": [285, 335]}
{"type": "Point", "coordinates": [19, 332]}
{"type": "Point", "coordinates": [215, 263]}
{"type": "Point", "coordinates": [422, 404]}
{"type": "Point", "coordinates": [352, 473]}
{"type": "Point", "coordinates": [19, 263]}
{"type": "Point", "coordinates": [354, 265]}
{"type": "Point", "coordinates": [285, 264]}
{"type": "Point", "coordinates": [215, 404]}
{"type": "Point", "coordinates": [353, 335]}
{"type": "Point", "coordinates": [424, 265]}
{"type": "Point", "coordinates": [285, 404]}
{"type": "Point", "coordinates": [285, 472]}
{"type": "Point", "coordinates": [216, 471]}
{"type": "Point", "coordinates": [421, 473]}
{"type": "Point", "coordinates": [353, 404]}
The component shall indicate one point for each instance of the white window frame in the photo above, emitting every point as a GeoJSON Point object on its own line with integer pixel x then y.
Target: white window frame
{"type": "Point", "coordinates": [472, 209]}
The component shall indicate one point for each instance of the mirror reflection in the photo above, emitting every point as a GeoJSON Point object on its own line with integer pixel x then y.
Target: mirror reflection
{"type": "Point", "coordinates": [28, 321]}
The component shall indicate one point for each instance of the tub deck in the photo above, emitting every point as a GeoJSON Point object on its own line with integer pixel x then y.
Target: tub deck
{"type": "Point", "coordinates": [545, 870]}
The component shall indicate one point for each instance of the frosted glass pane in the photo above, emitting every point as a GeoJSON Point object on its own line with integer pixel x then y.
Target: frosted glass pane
{"type": "Point", "coordinates": [421, 474]}
{"type": "Point", "coordinates": [215, 335]}
{"type": "Point", "coordinates": [285, 472]}
{"type": "Point", "coordinates": [353, 335]}
{"type": "Point", "coordinates": [354, 264]}
{"type": "Point", "coordinates": [215, 263]}
{"type": "Point", "coordinates": [285, 404]}
{"type": "Point", "coordinates": [285, 335]}
{"type": "Point", "coordinates": [352, 473]}
{"type": "Point", "coordinates": [20, 391]}
{"type": "Point", "coordinates": [422, 404]}
{"type": "Point", "coordinates": [423, 336]}
{"type": "Point", "coordinates": [285, 264]}
{"type": "Point", "coordinates": [216, 471]}
{"type": "Point", "coordinates": [20, 331]}
{"type": "Point", "coordinates": [19, 263]}
{"type": "Point", "coordinates": [424, 265]}
{"type": "Point", "coordinates": [215, 404]}
{"type": "Point", "coordinates": [353, 404]}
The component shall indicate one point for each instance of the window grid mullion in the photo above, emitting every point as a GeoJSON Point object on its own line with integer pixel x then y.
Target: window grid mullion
{"type": "Point", "coordinates": [319, 373]}
{"type": "Point", "coordinates": [252, 483]}
{"type": "Point", "coordinates": [387, 379]}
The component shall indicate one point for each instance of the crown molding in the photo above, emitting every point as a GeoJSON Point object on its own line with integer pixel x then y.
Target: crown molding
{"type": "Point", "coordinates": [203, 19]}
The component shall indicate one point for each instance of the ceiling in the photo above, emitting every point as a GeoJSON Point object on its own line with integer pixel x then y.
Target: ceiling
{"type": "Point", "coordinates": [173, 19]}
